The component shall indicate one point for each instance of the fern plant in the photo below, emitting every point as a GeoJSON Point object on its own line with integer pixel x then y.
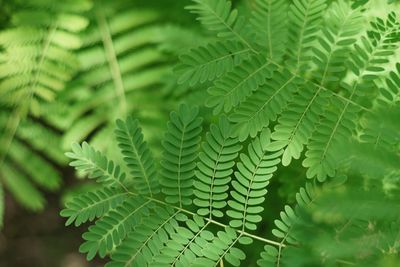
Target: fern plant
{"type": "Point", "coordinates": [202, 208]}
{"type": "Point", "coordinates": [139, 225]}
{"type": "Point", "coordinates": [304, 79]}
{"type": "Point", "coordinates": [37, 59]}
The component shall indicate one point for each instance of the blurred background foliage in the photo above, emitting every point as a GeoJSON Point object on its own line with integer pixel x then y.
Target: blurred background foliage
{"type": "Point", "coordinates": [69, 69]}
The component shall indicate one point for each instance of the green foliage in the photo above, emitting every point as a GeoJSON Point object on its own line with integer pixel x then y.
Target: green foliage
{"type": "Point", "coordinates": [175, 235]}
{"type": "Point", "coordinates": [137, 156]}
{"type": "Point", "coordinates": [120, 73]}
{"type": "Point", "coordinates": [320, 87]}
{"type": "Point", "coordinates": [68, 70]}
{"type": "Point", "coordinates": [37, 60]}
{"type": "Point", "coordinates": [180, 147]}
{"type": "Point", "coordinates": [312, 85]}
{"type": "Point", "coordinates": [309, 88]}
{"type": "Point", "coordinates": [136, 228]}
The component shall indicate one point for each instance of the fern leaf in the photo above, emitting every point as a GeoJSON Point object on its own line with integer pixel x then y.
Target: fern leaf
{"type": "Point", "coordinates": [321, 157]}
{"type": "Point", "coordinates": [343, 24]}
{"type": "Point", "coordinates": [42, 173]}
{"type": "Point", "coordinates": [206, 63]}
{"type": "Point", "coordinates": [222, 248]}
{"type": "Point", "coordinates": [262, 107]}
{"type": "Point", "coordinates": [390, 93]}
{"type": "Point", "coordinates": [121, 66]}
{"type": "Point", "coordinates": [368, 62]}
{"type": "Point", "coordinates": [111, 229]}
{"type": "Point", "coordinates": [380, 129]}
{"type": "Point", "coordinates": [184, 245]}
{"type": "Point", "coordinates": [305, 17]}
{"type": "Point", "coordinates": [218, 16]}
{"type": "Point", "coordinates": [298, 122]}
{"type": "Point", "coordinates": [92, 205]}
{"type": "Point", "coordinates": [235, 86]}
{"type": "Point", "coordinates": [21, 188]}
{"type": "Point", "coordinates": [180, 144]}
{"type": "Point", "coordinates": [43, 139]}
{"type": "Point", "coordinates": [137, 156]}
{"type": "Point", "coordinates": [270, 19]}
{"type": "Point", "coordinates": [38, 50]}
{"type": "Point", "coordinates": [271, 256]}
{"type": "Point", "coordinates": [96, 165]}
{"type": "Point", "coordinates": [147, 240]}
{"type": "Point", "coordinates": [215, 168]}
{"type": "Point", "coordinates": [254, 172]}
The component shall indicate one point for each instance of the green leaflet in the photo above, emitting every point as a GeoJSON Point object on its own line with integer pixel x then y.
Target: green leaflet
{"type": "Point", "coordinates": [215, 169]}
{"type": "Point", "coordinates": [206, 63]}
{"type": "Point", "coordinates": [305, 18]}
{"type": "Point", "coordinates": [218, 16]}
{"type": "Point", "coordinates": [254, 172]}
{"type": "Point", "coordinates": [236, 85]}
{"type": "Point", "coordinates": [87, 159]}
{"type": "Point", "coordinates": [270, 17]}
{"type": "Point", "coordinates": [92, 205]}
{"type": "Point", "coordinates": [111, 229]}
{"type": "Point", "coordinates": [137, 156]}
{"type": "Point", "coordinates": [255, 113]}
{"type": "Point", "coordinates": [181, 145]}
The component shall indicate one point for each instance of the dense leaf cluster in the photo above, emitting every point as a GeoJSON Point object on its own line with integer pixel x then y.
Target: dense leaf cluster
{"type": "Point", "coordinates": [304, 87]}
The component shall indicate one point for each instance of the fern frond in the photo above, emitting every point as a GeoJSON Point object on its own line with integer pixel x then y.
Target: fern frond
{"type": "Point", "coordinates": [270, 19]}
{"type": "Point", "coordinates": [305, 17]}
{"type": "Point", "coordinates": [21, 188]}
{"type": "Point", "coordinates": [137, 156]}
{"type": "Point", "coordinates": [235, 86]}
{"type": "Point", "coordinates": [38, 169]}
{"type": "Point", "coordinates": [29, 159]}
{"type": "Point", "coordinates": [298, 122]}
{"type": "Point", "coordinates": [222, 248]}
{"type": "Point", "coordinates": [206, 63]}
{"type": "Point", "coordinates": [147, 240]}
{"type": "Point", "coordinates": [262, 107]}
{"type": "Point", "coordinates": [215, 168]}
{"type": "Point", "coordinates": [218, 16]}
{"type": "Point", "coordinates": [120, 67]}
{"type": "Point", "coordinates": [343, 24]}
{"type": "Point", "coordinates": [380, 129]}
{"type": "Point", "coordinates": [181, 144]}
{"type": "Point", "coordinates": [340, 123]}
{"type": "Point", "coordinates": [321, 157]}
{"type": "Point", "coordinates": [289, 217]}
{"type": "Point", "coordinates": [92, 205]}
{"type": "Point", "coordinates": [185, 244]}
{"type": "Point", "coordinates": [112, 228]}
{"type": "Point", "coordinates": [390, 93]}
{"type": "Point", "coordinates": [43, 139]}
{"type": "Point", "coordinates": [38, 59]}
{"type": "Point", "coordinates": [304, 199]}
{"type": "Point", "coordinates": [253, 176]}
{"type": "Point", "coordinates": [88, 160]}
